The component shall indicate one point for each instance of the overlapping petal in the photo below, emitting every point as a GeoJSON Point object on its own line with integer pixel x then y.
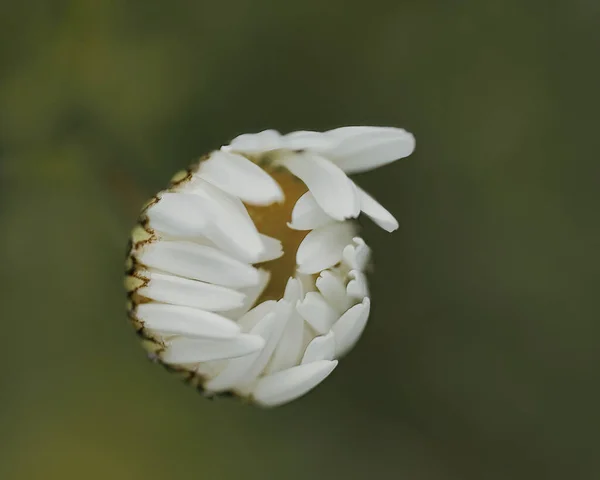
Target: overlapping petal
{"type": "Point", "coordinates": [238, 176]}
{"type": "Point", "coordinates": [331, 188]}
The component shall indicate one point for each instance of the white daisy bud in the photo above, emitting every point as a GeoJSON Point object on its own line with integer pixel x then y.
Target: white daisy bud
{"type": "Point", "coordinates": [246, 275]}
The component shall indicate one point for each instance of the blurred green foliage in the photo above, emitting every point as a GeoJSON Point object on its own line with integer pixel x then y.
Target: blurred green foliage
{"type": "Point", "coordinates": [480, 361]}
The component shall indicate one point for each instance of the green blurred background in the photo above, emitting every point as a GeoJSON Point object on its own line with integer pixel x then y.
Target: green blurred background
{"type": "Point", "coordinates": [481, 357]}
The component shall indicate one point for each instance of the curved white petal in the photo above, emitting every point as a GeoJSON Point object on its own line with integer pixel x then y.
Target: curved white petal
{"type": "Point", "coordinates": [290, 346]}
{"type": "Point", "coordinates": [252, 318]}
{"type": "Point", "coordinates": [180, 214]}
{"type": "Point", "coordinates": [272, 249]}
{"type": "Point", "coordinates": [294, 291]}
{"type": "Point", "coordinates": [376, 211]}
{"type": "Point", "coordinates": [198, 262]}
{"type": "Point", "coordinates": [264, 141]}
{"type": "Point", "coordinates": [317, 312]}
{"type": "Point", "coordinates": [356, 256]}
{"type": "Point", "coordinates": [252, 293]}
{"type": "Point", "coordinates": [331, 188]}
{"type": "Point", "coordinates": [178, 320]}
{"type": "Point", "coordinates": [166, 288]}
{"type": "Point", "coordinates": [287, 385]}
{"type": "Point", "coordinates": [344, 140]}
{"type": "Point", "coordinates": [307, 214]}
{"type": "Point", "coordinates": [320, 348]}
{"type": "Point", "coordinates": [241, 178]}
{"type": "Point", "coordinates": [357, 287]}
{"type": "Point", "coordinates": [236, 369]}
{"type": "Point", "coordinates": [289, 349]}
{"type": "Point", "coordinates": [366, 148]}
{"type": "Point", "coordinates": [350, 326]}
{"type": "Point", "coordinates": [193, 350]}
{"type": "Point", "coordinates": [346, 133]}
{"type": "Point", "coordinates": [231, 228]}
{"type": "Point", "coordinates": [307, 140]}
{"type": "Point", "coordinates": [333, 290]}
{"type": "Point", "coordinates": [281, 315]}
{"type": "Point", "coordinates": [322, 248]}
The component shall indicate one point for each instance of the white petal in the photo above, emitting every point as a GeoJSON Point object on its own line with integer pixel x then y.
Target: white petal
{"type": "Point", "coordinates": [252, 318]}
{"type": "Point", "coordinates": [309, 335]}
{"type": "Point", "coordinates": [331, 188]}
{"type": "Point", "coordinates": [281, 315]}
{"type": "Point", "coordinates": [307, 140]}
{"type": "Point", "coordinates": [241, 178]}
{"type": "Point", "coordinates": [272, 249]}
{"type": "Point", "coordinates": [287, 385]}
{"type": "Point", "coordinates": [192, 322]}
{"type": "Point", "coordinates": [317, 312]}
{"type": "Point", "coordinates": [289, 349]}
{"type": "Point", "coordinates": [376, 212]}
{"type": "Point", "coordinates": [366, 148]}
{"type": "Point", "coordinates": [307, 215]}
{"type": "Point", "coordinates": [180, 214]}
{"type": "Point", "coordinates": [350, 326]}
{"type": "Point", "coordinates": [344, 134]}
{"type": "Point", "coordinates": [357, 287]}
{"type": "Point", "coordinates": [320, 348]}
{"type": "Point", "coordinates": [294, 291]}
{"type": "Point", "coordinates": [231, 228]}
{"type": "Point", "coordinates": [333, 290]}
{"type": "Point", "coordinates": [192, 293]}
{"type": "Point", "coordinates": [192, 350]}
{"type": "Point", "coordinates": [198, 262]}
{"type": "Point", "coordinates": [264, 141]}
{"type": "Point", "coordinates": [236, 369]}
{"type": "Point", "coordinates": [322, 248]}
{"type": "Point", "coordinates": [356, 256]}
{"type": "Point", "coordinates": [252, 293]}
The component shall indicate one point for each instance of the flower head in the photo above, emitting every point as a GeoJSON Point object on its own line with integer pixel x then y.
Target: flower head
{"type": "Point", "coordinates": [247, 274]}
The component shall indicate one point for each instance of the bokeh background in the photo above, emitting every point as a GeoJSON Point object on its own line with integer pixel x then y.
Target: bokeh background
{"type": "Point", "coordinates": [481, 357]}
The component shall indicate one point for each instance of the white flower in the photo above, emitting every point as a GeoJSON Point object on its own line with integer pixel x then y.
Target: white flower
{"type": "Point", "coordinates": [246, 275]}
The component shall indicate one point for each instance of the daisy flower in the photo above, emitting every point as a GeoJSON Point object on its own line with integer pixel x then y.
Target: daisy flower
{"type": "Point", "coordinates": [246, 275]}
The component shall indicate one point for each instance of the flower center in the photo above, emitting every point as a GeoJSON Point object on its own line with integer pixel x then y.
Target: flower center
{"type": "Point", "coordinates": [272, 221]}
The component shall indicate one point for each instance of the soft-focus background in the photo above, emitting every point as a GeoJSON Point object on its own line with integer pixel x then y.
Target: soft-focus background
{"type": "Point", "coordinates": [481, 357]}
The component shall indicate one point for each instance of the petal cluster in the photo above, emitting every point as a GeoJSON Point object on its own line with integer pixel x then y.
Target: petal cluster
{"type": "Point", "coordinates": [199, 263]}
